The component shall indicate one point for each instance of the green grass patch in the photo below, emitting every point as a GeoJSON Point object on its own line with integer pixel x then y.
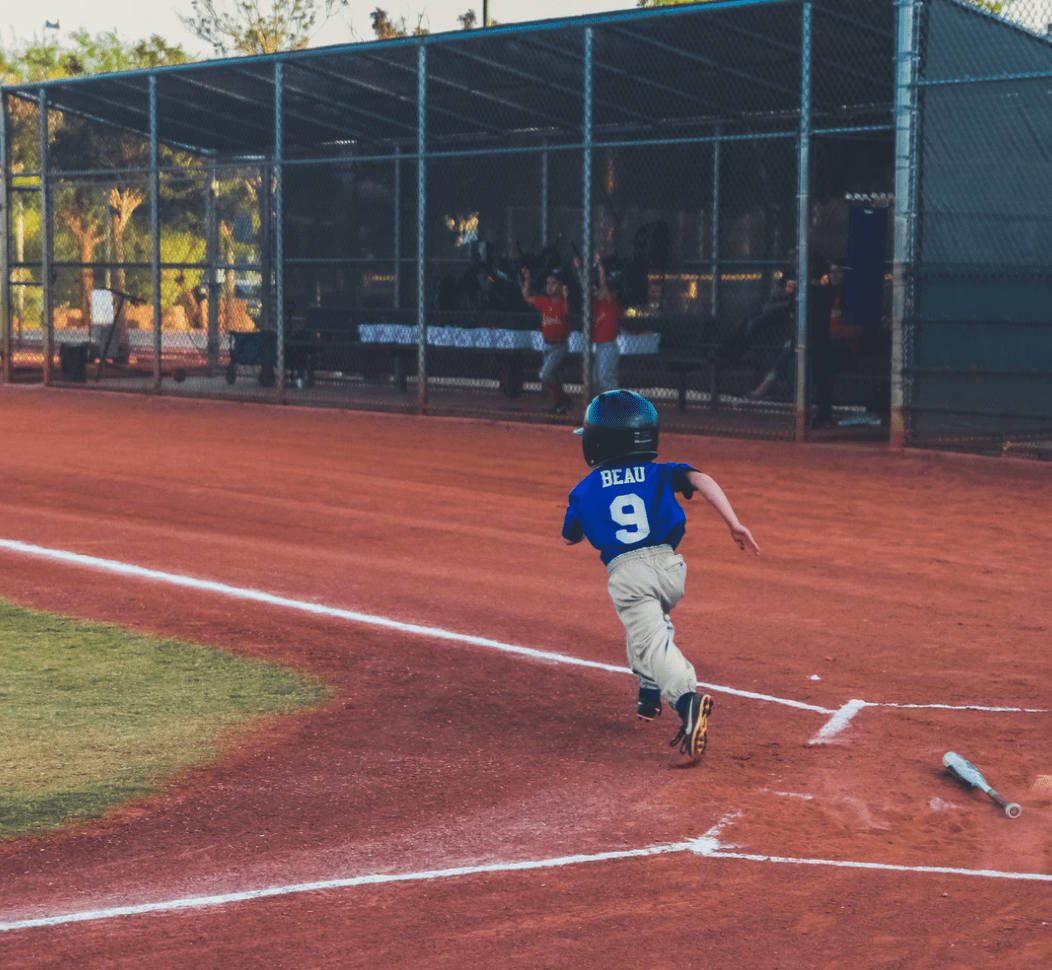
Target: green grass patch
{"type": "Point", "coordinates": [92, 715]}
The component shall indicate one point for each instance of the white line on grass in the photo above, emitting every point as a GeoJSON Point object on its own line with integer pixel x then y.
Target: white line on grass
{"type": "Point", "coordinates": [707, 846]}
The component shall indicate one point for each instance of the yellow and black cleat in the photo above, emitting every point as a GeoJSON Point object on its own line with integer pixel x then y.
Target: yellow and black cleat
{"type": "Point", "coordinates": [694, 734]}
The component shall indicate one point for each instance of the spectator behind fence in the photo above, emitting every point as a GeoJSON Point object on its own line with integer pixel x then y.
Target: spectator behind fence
{"type": "Point", "coordinates": [555, 329]}
{"type": "Point", "coordinates": [750, 339]}
{"type": "Point", "coordinates": [606, 313]}
{"type": "Point", "coordinates": [821, 297]}
{"type": "Point", "coordinates": [781, 311]}
{"type": "Point", "coordinates": [838, 351]}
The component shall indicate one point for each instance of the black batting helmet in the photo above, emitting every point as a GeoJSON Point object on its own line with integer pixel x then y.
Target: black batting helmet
{"type": "Point", "coordinates": [619, 424]}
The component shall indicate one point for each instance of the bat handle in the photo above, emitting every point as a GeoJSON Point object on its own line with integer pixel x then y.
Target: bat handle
{"type": "Point", "coordinates": [1012, 809]}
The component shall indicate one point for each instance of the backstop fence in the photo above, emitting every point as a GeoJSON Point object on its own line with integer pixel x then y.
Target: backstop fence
{"type": "Point", "coordinates": [349, 226]}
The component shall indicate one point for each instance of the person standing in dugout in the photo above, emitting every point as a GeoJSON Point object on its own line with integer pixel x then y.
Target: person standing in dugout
{"type": "Point", "coordinates": [555, 329]}
{"type": "Point", "coordinates": [627, 509]}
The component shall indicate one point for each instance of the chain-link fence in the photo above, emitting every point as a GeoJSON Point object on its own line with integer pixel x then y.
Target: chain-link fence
{"type": "Point", "coordinates": [978, 332]}
{"type": "Point", "coordinates": [350, 226]}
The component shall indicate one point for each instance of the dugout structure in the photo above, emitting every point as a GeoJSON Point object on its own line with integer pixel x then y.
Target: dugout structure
{"type": "Point", "coordinates": [344, 226]}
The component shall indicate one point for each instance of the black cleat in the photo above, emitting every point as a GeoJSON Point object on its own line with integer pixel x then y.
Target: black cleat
{"type": "Point", "coordinates": [648, 706]}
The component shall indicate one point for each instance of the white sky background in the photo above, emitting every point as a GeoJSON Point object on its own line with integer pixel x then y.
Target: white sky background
{"type": "Point", "coordinates": [134, 20]}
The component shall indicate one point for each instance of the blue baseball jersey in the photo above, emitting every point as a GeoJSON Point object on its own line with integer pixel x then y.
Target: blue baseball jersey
{"type": "Point", "coordinates": [628, 505]}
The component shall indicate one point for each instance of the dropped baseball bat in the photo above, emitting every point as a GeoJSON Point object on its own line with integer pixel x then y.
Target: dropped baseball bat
{"type": "Point", "coordinates": [967, 772]}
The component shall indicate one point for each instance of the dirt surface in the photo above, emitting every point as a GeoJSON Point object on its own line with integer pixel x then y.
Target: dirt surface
{"type": "Point", "coordinates": [577, 840]}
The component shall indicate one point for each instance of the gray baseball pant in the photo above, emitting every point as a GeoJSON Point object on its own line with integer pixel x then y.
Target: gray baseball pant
{"type": "Point", "coordinates": [645, 584]}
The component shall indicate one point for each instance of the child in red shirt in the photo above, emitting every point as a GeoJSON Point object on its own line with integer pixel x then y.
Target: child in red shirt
{"type": "Point", "coordinates": [606, 327]}
{"type": "Point", "coordinates": [555, 329]}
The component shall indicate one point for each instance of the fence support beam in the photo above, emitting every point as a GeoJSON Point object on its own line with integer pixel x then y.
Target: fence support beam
{"type": "Point", "coordinates": [47, 238]}
{"type": "Point", "coordinates": [212, 258]}
{"type": "Point", "coordinates": [398, 228]}
{"type": "Point", "coordinates": [278, 229]}
{"type": "Point", "coordinates": [906, 54]}
{"type": "Point", "coordinates": [421, 222]}
{"type": "Point", "coordinates": [714, 288]}
{"type": "Point", "coordinates": [586, 225]}
{"type": "Point", "coordinates": [544, 196]}
{"type": "Point", "coordinates": [155, 235]}
{"type": "Point", "coordinates": [5, 254]}
{"type": "Point", "coordinates": [803, 225]}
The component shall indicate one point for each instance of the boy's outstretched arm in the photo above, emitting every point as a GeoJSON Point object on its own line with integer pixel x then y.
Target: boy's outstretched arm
{"type": "Point", "coordinates": [714, 495]}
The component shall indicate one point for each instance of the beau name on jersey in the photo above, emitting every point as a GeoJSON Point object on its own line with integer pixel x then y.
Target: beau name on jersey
{"type": "Point", "coordinates": [622, 476]}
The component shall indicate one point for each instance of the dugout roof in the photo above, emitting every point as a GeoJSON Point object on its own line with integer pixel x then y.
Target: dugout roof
{"type": "Point", "coordinates": [734, 63]}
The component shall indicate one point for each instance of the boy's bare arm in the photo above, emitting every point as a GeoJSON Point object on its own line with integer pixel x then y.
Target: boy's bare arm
{"type": "Point", "coordinates": [715, 496]}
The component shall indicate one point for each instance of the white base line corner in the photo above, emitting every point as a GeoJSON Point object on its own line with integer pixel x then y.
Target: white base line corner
{"type": "Point", "coordinates": [839, 721]}
{"type": "Point", "coordinates": [706, 846]}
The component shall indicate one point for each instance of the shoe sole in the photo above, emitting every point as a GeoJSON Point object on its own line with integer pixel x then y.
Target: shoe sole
{"type": "Point", "coordinates": [699, 737]}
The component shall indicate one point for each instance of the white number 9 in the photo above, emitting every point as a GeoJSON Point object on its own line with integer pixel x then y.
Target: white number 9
{"type": "Point", "coordinates": [629, 511]}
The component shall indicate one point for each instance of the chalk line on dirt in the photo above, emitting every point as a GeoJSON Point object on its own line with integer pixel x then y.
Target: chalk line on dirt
{"type": "Point", "coordinates": [838, 722]}
{"type": "Point", "coordinates": [708, 846]}
{"type": "Point", "coordinates": [258, 596]}
{"type": "Point", "coordinates": [840, 717]}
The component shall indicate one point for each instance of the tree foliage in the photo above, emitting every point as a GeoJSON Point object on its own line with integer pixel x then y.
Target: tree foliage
{"type": "Point", "coordinates": [86, 54]}
{"type": "Point", "coordinates": [88, 213]}
{"type": "Point", "coordinates": [386, 29]}
{"type": "Point", "coordinates": [253, 27]}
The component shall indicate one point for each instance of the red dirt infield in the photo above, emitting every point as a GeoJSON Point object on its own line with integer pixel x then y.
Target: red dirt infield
{"type": "Point", "coordinates": [533, 821]}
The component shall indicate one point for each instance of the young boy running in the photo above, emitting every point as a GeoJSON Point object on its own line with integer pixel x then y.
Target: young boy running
{"type": "Point", "coordinates": [627, 509]}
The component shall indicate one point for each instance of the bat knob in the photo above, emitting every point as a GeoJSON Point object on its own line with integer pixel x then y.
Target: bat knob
{"type": "Point", "coordinates": [1013, 810]}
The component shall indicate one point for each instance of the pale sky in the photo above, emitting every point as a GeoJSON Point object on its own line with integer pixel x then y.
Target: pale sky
{"type": "Point", "coordinates": [138, 19]}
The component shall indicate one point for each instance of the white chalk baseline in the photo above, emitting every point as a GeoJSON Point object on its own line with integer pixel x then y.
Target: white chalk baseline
{"type": "Point", "coordinates": [707, 846]}
{"type": "Point", "coordinates": [839, 719]}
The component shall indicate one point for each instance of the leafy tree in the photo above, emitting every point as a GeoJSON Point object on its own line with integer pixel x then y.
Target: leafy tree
{"type": "Point", "coordinates": [668, 3]}
{"type": "Point", "coordinates": [994, 6]}
{"type": "Point", "coordinates": [386, 29]}
{"type": "Point", "coordinates": [249, 27]}
{"type": "Point", "coordinates": [87, 54]}
{"type": "Point", "coordinates": [81, 212]}
{"type": "Point", "coordinates": [470, 21]}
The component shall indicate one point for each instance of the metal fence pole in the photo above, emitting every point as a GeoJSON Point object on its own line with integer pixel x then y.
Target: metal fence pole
{"type": "Point", "coordinates": [5, 254]}
{"type": "Point", "coordinates": [47, 240]}
{"type": "Point", "coordinates": [586, 225]}
{"type": "Point", "coordinates": [212, 258]}
{"type": "Point", "coordinates": [905, 203]}
{"type": "Point", "coordinates": [279, 230]}
{"type": "Point", "coordinates": [421, 220]}
{"type": "Point", "coordinates": [714, 290]}
{"type": "Point", "coordinates": [803, 224]}
{"type": "Point", "coordinates": [398, 228]}
{"type": "Point", "coordinates": [544, 197]}
{"type": "Point", "coordinates": [155, 235]}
